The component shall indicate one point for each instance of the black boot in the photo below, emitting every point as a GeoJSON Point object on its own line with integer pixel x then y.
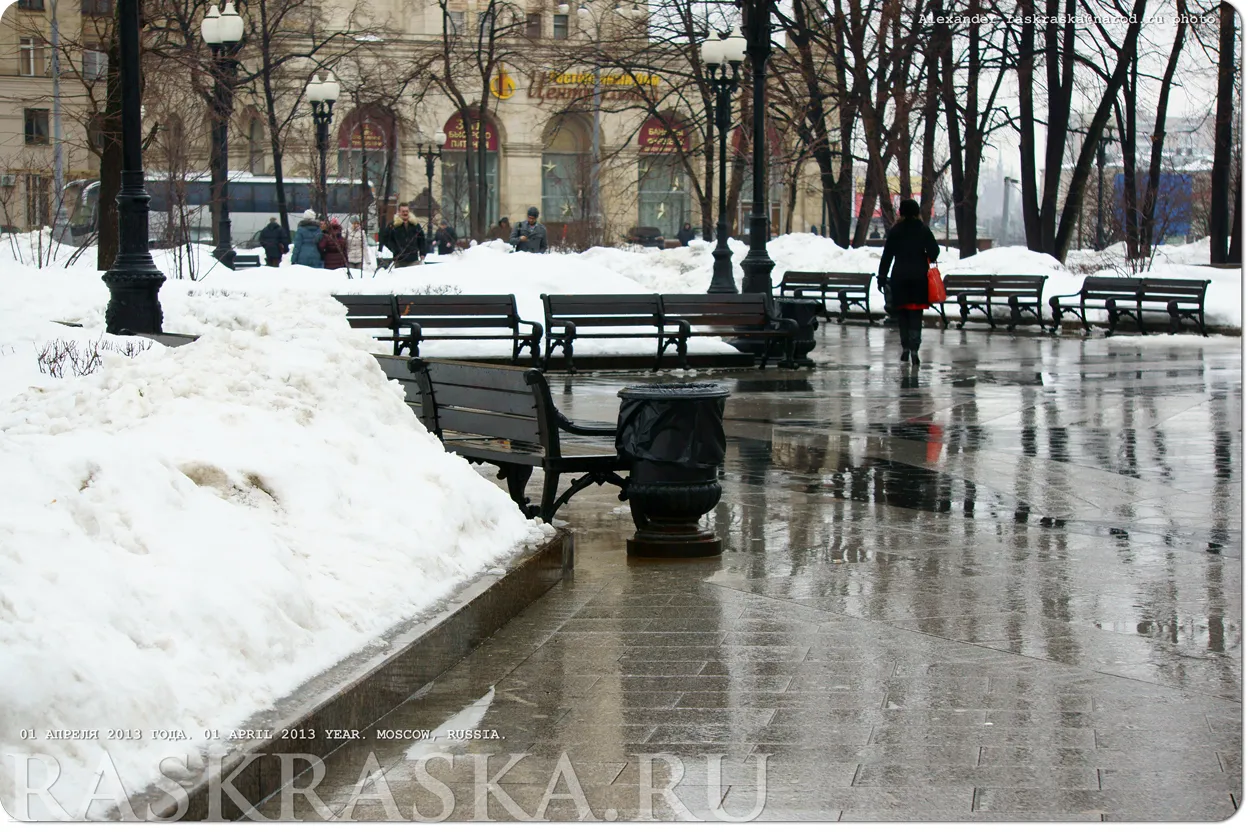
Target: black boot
{"type": "Point", "coordinates": [903, 357]}
{"type": "Point", "coordinates": [915, 357]}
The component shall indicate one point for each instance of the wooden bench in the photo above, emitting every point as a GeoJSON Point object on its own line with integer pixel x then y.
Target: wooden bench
{"type": "Point", "coordinates": [376, 312]}
{"type": "Point", "coordinates": [421, 313]}
{"type": "Point", "coordinates": [246, 261]}
{"type": "Point", "coordinates": [850, 289]}
{"type": "Point", "coordinates": [732, 316]}
{"type": "Point", "coordinates": [1022, 293]}
{"type": "Point", "coordinates": [1133, 297]}
{"type": "Point", "coordinates": [505, 416]}
{"type": "Point", "coordinates": [413, 319]}
{"type": "Point", "coordinates": [570, 317]}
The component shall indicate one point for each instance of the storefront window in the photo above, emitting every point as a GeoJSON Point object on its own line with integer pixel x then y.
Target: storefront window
{"type": "Point", "coordinates": [364, 140]}
{"type": "Point", "coordinates": [775, 200]}
{"type": "Point", "coordinates": [663, 194]}
{"type": "Point", "coordinates": [461, 158]}
{"type": "Point", "coordinates": [567, 169]}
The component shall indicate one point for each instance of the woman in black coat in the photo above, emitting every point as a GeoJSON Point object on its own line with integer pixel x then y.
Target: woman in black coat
{"type": "Point", "coordinates": [910, 247]}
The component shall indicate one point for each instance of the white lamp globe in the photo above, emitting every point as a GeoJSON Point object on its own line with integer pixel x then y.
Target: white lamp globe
{"type": "Point", "coordinates": [712, 51]}
{"type": "Point", "coordinates": [231, 26]}
{"type": "Point", "coordinates": [440, 138]}
{"type": "Point", "coordinates": [735, 46]}
{"type": "Point", "coordinates": [315, 92]}
{"type": "Point", "coordinates": [330, 88]}
{"type": "Point", "coordinates": [210, 27]}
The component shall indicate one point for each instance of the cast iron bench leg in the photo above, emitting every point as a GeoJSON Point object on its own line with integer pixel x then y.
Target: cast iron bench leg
{"type": "Point", "coordinates": [518, 476]}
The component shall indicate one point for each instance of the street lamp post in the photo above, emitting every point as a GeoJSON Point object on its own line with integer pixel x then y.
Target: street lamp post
{"type": "Point", "coordinates": [757, 266]}
{"type": "Point", "coordinates": [322, 95]}
{"type": "Point", "coordinates": [133, 281]}
{"type": "Point", "coordinates": [723, 58]}
{"type": "Point", "coordinates": [430, 153]}
{"type": "Point", "coordinates": [222, 31]}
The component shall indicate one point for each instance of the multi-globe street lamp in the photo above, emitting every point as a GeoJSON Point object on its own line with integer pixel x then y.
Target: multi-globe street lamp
{"type": "Point", "coordinates": [723, 58]}
{"type": "Point", "coordinates": [222, 30]}
{"type": "Point", "coordinates": [322, 95]}
{"type": "Point", "coordinates": [430, 153]}
{"type": "Point", "coordinates": [133, 280]}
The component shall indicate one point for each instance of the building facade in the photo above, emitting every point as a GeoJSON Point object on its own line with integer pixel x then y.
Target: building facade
{"type": "Point", "coordinates": [591, 149]}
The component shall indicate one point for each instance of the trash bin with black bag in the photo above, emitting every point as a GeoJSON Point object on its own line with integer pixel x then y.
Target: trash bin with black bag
{"type": "Point", "coordinates": [673, 436]}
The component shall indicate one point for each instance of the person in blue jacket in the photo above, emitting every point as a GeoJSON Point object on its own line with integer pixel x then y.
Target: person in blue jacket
{"type": "Point", "coordinates": [304, 251]}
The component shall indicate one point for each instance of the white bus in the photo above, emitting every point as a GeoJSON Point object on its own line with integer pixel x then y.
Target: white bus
{"type": "Point", "coordinates": [179, 211]}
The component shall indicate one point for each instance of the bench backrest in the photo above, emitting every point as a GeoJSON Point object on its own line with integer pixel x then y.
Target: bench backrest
{"type": "Point", "coordinates": [1017, 284]}
{"type": "Point", "coordinates": [458, 311]}
{"type": "Point", "coordinates": [1161, 289]}
{"type": "Point", "coordinates": [478, 400]}
{"type": "Point", "coordinates": [369, 311]}
{"type": "Point", "coordinates": [396, 368]}
{"type": "Point", "coordinates": [828, 281]}
{"type": "Point", "coordinates": [967, 283]}
{"type": "Point", "coordinates": [603, 310]}
{"type": "Point", "coordinates": [1102, 288]}
{"type": "Point", "coordinates": [717, 310]}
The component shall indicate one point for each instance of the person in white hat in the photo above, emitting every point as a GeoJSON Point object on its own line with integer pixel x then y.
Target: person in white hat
{"type": "Point", "coordinates": [307, 234]}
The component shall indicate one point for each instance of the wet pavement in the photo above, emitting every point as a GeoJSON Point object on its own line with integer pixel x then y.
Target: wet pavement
{"type": "Point", "coordinates": [1005, 586]}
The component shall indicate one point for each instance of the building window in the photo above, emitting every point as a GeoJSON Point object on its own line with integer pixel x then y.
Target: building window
{"type": "Point", "coordinates": [95, 63]}
{"type": "Point", "coordinates": [30, 5]}
{"type": "Point", "coordinates": [38, 205]}
{"type": "Point", "coordinates": [455, 22]}
{"type": "Point", "coordinates": [534, 26]}
{"type": "Point", "coordinates": [560, 27]}
{"type": "Point", "coordinates": [30, 57]}
{"type": "Point", "coordinates": [567, 168]}
{"type": "Point", "coordinates": [97, 8]}
{"type": "Point", "coordinates": [255, 151]}
{"type": "Point", "coordinates": [663, 193]}
{"type": "Point", "coordinates": [36, 126]}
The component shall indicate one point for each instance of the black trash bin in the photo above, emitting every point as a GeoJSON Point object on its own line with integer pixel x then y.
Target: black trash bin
{"type": "Point", "coordinates": [673, 436]}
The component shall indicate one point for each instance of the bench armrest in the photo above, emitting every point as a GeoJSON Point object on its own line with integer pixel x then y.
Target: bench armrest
{"type": "Point", "coordinates": [784, 324]}
{"type": "Point", "coordinates": [534, 326]}
{"type": "Point", "coordinates": [1061, 297]}
{"type": "Point", "coordinates": [683, 326]}
{"type": "Point", "coordinates": [570, 328]}
{"type": "Point", "coordinates": [593, 429]}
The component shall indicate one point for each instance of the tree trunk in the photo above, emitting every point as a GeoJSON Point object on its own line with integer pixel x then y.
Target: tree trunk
{"type": "Point", "coordinates": [1151, 196]}
{"type": "Point", "coordinates": [1234, 244]}
{"type": "Point", "coordinates": [1080, 174]}
{"type": "Point", "coordinates": [1033, 236]}
{"type": "Point", "coordinates": [1221, 169]}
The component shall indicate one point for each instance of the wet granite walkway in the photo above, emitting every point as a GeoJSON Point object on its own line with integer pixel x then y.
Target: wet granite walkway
{"type": "Point", "coordinates": [1005, 586]}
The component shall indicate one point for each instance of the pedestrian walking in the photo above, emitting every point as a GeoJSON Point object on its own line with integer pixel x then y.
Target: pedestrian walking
{"type": "Point", "coordinates": [276, 241]}
{"type": "Point", "coordinates": [307, 235]}
{"type": "Point", "coordinates": [909, 247]}
{"type": "Point", "coordinates": [333, 247]}
{"type": "Point", "coordinates": [685, 235]}
{"type": "Point", "coordinates": [357, 245]}
{"type": "Point", "coordinates": [529, 234]}
{"type": "Point", "coordinates": [501, 231]}
{"type": "Point", "coordinates": [445, 238]}
{"type": "Point", "coordinates": [405, 238]}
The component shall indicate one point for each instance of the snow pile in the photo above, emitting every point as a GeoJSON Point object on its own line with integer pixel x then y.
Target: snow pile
{"type": "Point", "coordinates": [189, 534]}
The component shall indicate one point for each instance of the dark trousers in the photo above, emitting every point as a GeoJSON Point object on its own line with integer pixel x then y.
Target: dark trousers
{"type": "Point", "coordinates": [909, 327]}
{"type": "Point", "coordinates": [273, 261]}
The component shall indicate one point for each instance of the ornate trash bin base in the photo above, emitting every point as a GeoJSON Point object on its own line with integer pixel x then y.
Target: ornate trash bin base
{"type": "Point", "coordinates": [667, 502]}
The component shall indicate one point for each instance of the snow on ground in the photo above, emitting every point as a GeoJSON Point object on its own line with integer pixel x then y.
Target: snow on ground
{"type": "Point", "coordinates": [188, 534]}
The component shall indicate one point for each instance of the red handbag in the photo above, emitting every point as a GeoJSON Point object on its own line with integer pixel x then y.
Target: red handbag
{"type": "Point", "coordinates": [937, 289]}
